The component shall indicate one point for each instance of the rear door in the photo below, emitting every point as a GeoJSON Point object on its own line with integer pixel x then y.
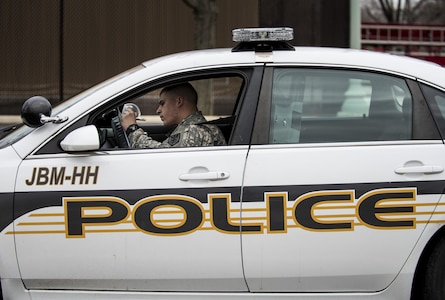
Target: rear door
{"type": "Point", "coordinates": [344, 172]}
{"type": "Point", "coordinates": [139, 219]}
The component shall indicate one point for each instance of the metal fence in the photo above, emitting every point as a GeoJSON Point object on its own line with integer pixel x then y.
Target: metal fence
{"type": "Point", "coordinates": [57, 48]}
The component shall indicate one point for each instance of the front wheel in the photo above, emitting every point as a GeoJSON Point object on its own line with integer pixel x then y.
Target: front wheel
{"type": "Point", "coordinates": [432, 281]}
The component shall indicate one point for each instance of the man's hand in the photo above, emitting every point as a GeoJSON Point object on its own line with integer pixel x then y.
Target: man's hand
{"type": "Point", "coordinates": [128, 118]}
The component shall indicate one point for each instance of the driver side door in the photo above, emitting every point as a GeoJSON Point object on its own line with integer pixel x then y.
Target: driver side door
{"type": "Point", "coordinates": [135, 219]}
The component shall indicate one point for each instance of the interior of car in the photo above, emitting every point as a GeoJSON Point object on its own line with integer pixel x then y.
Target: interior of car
{"type": "Point", "coordinates": [218, 99]}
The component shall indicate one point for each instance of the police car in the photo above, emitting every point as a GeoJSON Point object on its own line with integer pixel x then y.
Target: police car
{"type": "Point", "coordinates": [330, 187]}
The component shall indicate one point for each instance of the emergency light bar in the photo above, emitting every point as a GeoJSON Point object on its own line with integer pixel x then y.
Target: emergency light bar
{"type": "Point", "coordinates": [262, 39]}
{"type": "Point", "coordinates": [262, 34]}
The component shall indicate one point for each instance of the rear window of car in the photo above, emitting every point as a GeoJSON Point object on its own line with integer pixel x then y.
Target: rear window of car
{"type": "Point", "coordinates": [319, 105]}
{"type": "Point", "coordinates": [436, 101]}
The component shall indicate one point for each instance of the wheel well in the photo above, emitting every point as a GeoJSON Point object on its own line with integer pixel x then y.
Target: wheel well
{"type": "Point", "coordinates": [418, 281]}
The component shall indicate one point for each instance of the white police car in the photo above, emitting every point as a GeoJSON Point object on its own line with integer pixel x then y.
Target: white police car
{"type": "Point", "coordinates": [331, 185]}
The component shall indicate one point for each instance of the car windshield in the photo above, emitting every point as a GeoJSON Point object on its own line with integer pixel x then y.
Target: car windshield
{"type": "Point", "coordinates": [11, 134]}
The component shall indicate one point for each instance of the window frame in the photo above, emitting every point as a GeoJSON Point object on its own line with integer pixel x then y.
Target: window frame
{"type": "Point", "coordinates": [423, 127]}
{"type": "Point", "coordinates": [246, 98]}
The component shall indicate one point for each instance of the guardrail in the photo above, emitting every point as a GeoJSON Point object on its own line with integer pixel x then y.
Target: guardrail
{"type": "Point", "coordinates": [421, 41]}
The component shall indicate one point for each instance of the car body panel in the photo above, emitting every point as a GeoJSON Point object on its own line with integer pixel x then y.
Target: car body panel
{"type": "Point", "coordinates": [8, 260]}
{"type": "Point", "coordinates": [336, 258]}
{"type": "Point", "coordinates": [130, 256]}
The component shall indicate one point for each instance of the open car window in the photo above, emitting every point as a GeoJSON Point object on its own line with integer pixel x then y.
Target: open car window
{"type": "Point", "coordinates": [219, 98]}
{"type": "Point", "coordinates": [216, 98]}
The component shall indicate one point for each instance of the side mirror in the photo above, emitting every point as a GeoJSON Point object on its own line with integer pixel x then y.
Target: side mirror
{"type": "Point", "coordinates": [36, 111]}
{"type": "Point", "coordinates": [81, 139]}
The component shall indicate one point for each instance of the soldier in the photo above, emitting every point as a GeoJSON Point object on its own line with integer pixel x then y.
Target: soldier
{"type": "Point", "coordinates": [177, 106]}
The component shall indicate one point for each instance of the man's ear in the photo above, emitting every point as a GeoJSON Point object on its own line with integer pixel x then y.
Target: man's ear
{"type": "Point", "coordinates": [179, 101]}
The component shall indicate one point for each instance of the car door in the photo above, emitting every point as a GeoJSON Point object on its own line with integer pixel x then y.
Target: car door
{"type": "Point", "coordinates": [343, 174]}
{"type": "Point", "coordinates": [135, 219]}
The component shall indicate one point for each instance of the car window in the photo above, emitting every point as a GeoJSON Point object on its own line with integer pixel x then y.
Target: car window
{"type": "Point", "coordinates": [219, 99]}
{"type": "Point", "coordinates": [436, 101]}
{"type": "Point", "coordinates": [216, 98]}
{"type": "Point", "coordinates": [317, 106]}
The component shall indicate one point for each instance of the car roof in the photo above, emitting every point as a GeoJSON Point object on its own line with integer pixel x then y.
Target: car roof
{"type": "Point", "coordinates": [310, 56]}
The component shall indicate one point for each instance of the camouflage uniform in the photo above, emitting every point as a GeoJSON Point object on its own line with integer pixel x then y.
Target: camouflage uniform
{"type": "Point", "coordinates": [188, 133]}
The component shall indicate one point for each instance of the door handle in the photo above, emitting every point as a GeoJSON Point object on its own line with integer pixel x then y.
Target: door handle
{"type": "Point", "coordinates": [212, 175]}
{"type": "Point", "coordinates": [419, 169]}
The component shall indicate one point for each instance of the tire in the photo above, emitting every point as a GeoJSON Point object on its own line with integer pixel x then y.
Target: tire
{"type": "Point", "coordinates": [431, 284]}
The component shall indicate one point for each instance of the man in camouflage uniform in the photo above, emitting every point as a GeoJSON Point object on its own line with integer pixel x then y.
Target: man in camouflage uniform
{"type": "Point", "coordinates": [177, 106]}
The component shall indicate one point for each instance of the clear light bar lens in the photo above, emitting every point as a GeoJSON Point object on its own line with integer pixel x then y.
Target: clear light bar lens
{"type": "Point", "coordinates": [262, 34]}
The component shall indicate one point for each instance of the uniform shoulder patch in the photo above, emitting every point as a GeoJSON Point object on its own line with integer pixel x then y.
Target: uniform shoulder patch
{"type": "Point", "coordinates": [174, 139]}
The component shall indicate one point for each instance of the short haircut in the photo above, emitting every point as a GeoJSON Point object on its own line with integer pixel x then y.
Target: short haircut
{"type": "Point", "coordinates": [185, 90]}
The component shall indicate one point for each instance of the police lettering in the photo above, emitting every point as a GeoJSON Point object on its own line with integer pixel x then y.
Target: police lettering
{"type": "Point", "coordinates": [373, 211]}
{"type": "Point", "coordinates": [58, 176]}
{"type": "Point", "coordinates": [221, 220]}
{"type": "Point", "coordinates": [168, 215]}
{"type": "Point", "coordinates": [94, 211]}
{"type": "Point", "coordinates": [144, 219]}
{"type": "Point", "coordinates": [306, 204]}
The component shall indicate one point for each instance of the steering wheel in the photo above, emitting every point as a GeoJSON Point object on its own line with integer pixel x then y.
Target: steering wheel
{"type": "Point", "coordinates": [119, 134]}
